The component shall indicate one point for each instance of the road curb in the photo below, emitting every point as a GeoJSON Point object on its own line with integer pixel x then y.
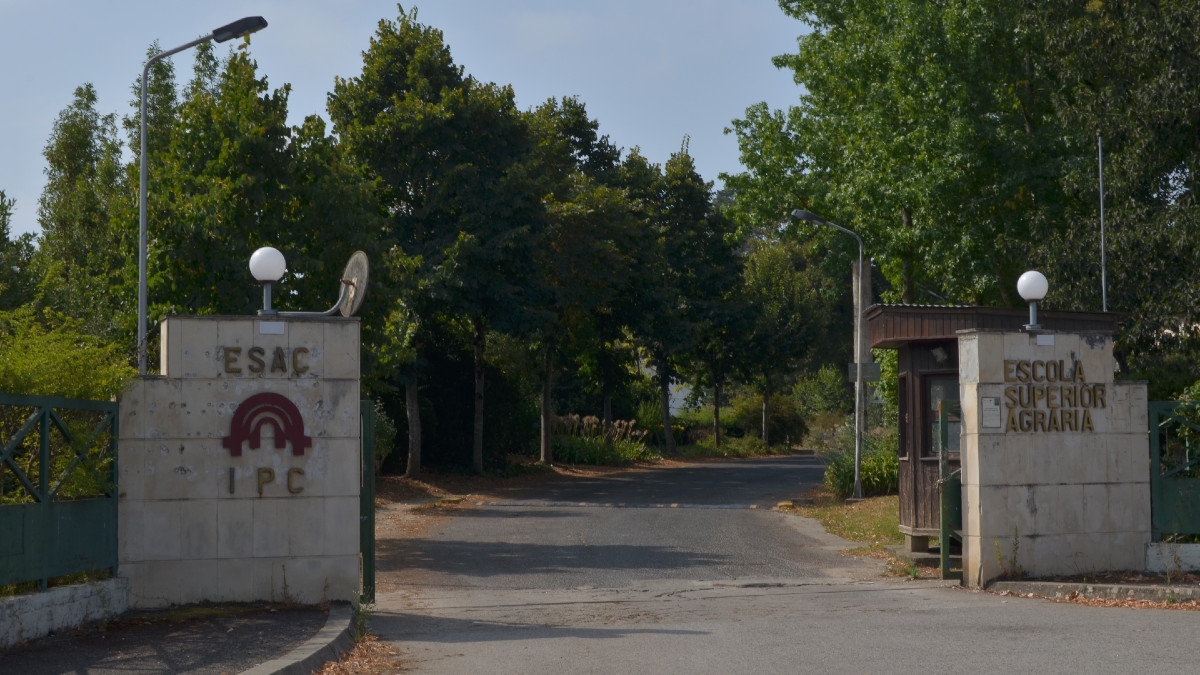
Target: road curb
{"type": "Point", "coordinates": [336, 637]}
{"type": "Point", "coordinates": [1053, 589]}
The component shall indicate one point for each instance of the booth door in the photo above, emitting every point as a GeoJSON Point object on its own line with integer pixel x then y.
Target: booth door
{"type": "Point", "coordinates": [936, 388]}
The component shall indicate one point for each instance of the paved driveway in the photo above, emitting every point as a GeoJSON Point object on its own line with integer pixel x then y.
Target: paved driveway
{"type": "Point", "coordinates": [688, 570]}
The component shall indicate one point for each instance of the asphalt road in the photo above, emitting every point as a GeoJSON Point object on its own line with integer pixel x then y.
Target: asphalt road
{"type": "Point", "coordinates": [688, 570]}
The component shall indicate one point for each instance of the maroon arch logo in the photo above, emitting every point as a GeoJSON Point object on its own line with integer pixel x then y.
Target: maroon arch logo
{"type": "Point", "coordinates": [261, 410]}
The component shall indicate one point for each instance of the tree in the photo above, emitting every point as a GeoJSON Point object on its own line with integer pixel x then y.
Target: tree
{"type": "Point", "coordinates": [450, 155]}
{"type": "Point", "coordinates": [83, 211]}
{"type": "Point", "coordinates": [227, 172]}
{"type": "Point", "coordinates": [785, 291]}
{"type": "Point", "coordinates": [926, 125]}
{"type": "Point", "coordinates": [674, 204]}
{"type": "Point", "coordinates": [17, 282]}
{"type": "Point", "coordinates": [587, 248]}
{"type": "Point", "coordinates": [1109, 59]}
{"type": "Point", "coordinates": [718, 311]}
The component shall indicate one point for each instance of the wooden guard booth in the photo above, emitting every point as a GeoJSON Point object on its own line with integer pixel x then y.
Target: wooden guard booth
{"type": "Point", "coordinates": [926, 338]}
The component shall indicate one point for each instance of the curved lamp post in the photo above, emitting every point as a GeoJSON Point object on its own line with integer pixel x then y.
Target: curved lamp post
{"type": "Point", "coordinates": [1032, 286]}
{"type": "Point", "coordinates": [230, 31]}
{"type": "Point", "coordinates": [801, 214]}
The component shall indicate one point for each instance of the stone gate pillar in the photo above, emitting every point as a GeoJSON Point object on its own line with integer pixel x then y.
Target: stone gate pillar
{"type": "Point", "coordinates": [240, 464]}
{"type": "Point", "coordinates": [1055, 468]}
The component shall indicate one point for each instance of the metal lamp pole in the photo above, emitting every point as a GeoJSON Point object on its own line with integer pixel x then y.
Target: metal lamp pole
{"type": "Point", "coordinates": [801, 214]}
{"type": "Point", "coordinates": [227, 32]}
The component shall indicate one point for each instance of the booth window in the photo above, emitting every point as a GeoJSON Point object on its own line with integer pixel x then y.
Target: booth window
{"type": "Point", "coordinates": [939, 389]}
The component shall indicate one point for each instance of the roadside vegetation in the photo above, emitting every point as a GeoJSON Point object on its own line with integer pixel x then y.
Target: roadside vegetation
{"type": "Point", "coordinates": [526, 267]}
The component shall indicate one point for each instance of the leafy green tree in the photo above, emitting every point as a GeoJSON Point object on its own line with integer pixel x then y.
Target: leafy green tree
{"type": "Point", "coordinates": [588, 244]}
{"type": "Point", "coordinates": [789, 313]}
{"type": "Point", "coordinates": [450, 155]}
{"type": "Point", "coordinates": [81, 256]}
{"type": "Point", "coordinates": [17, 282]}
{"type": "Point", "coordinates": [224, 180]}
{"type": "Point", "coordinates": [925, 126]}
{"type": "Point", "coordinates": [1127, 72]}
{"type": "Point", "coordinates": [718, 311]}
{"type": "Point", "coordinates": [675, 204]}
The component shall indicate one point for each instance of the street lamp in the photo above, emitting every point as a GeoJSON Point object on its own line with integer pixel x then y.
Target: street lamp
{"type": "Point", "coordinates": [1032, 286]}
{"type": "Point", "coordinates": [267, 265]}
{"type": "Point", "coordinates": [230, 31]}
{"type": "Point", "coordinates": [801, 214]}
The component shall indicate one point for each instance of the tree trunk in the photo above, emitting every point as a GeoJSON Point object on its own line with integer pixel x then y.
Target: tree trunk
{"type": "Point", "coordinates": [1002, 284]}
{"type": "Point", "coordinates": [766, 410]}
{"type": "Point", "coordinates": [717, 415]}
{"type": "Point", "coordinates": [477, 445]}
{"type": "Point", "coordinates": [909, 286]}
{"type": "Point", "coordinates": [546, 412]}
{"type": "Point", "coordinates": [664, 390]}
{"type": "Point", "coordinates": [608, 420]}
{"type": "Point", "coordinates": [412, 403]}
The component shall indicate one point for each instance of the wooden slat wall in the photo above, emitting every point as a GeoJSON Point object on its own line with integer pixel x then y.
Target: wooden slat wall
{"type": "Point", "coordinates": [889, 325]}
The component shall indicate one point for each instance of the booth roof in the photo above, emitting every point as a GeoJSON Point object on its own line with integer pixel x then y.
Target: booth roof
{"type": "Point", "coordinates": [891, 326]}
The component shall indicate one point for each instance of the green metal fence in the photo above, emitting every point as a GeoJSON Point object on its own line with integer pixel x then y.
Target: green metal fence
{"type": "Point", "coordinates": [366, 507]}
{"type": "Point", "coordinates": [1174, 468]}
{"type": "Point", "coordinates": [58, 496]}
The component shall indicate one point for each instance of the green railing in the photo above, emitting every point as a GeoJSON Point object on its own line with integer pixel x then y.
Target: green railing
{"type": "Point", "coordinates": [58, 496]}
{"type": "Point", "coordinates": [366, 506]}
{"type": "Point", "coordinates": [1174, 468]}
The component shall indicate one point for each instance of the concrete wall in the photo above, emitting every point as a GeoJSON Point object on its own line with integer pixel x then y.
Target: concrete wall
{"type": "Point", "coordinates": [35, 615]}
{"type": "Point", "coordinates": [1068, 496]}
{"type": "Point", "coordinates": [199, 522]}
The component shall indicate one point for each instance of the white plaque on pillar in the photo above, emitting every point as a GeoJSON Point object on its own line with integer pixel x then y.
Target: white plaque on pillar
{"type": "Point", "coordinates": [989, 412]}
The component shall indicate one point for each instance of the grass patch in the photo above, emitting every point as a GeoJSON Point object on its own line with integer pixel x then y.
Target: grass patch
{"type": "Point", "coordinates": [874, 522]}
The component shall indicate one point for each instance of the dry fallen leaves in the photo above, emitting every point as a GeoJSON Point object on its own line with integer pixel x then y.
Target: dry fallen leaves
{"type": "Point", "coordinates": [371, 656]}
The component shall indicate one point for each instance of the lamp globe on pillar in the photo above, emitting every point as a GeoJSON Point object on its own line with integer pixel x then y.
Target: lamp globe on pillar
{"type": "Point", "coordinates": [1032, 286]}
{"type": "Point", "coordinates": [267, 265]}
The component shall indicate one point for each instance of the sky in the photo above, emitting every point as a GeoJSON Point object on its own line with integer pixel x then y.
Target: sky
{"type": "Point", "coordinates": [649, 71]}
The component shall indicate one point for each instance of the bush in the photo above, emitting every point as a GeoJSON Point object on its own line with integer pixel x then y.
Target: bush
{"type": "Point", "coordinates": [733, 446]}
{"type": "Point", "coordinates": [51, 356]}
{"type": "Point", "coordinates": [880, 468]}
{"type": "Point", "coordinates": [583, 440]}
{"type": "Point", "coordinates": [787, 425]}
{"type": "Point", "coordinates": [385, 436]}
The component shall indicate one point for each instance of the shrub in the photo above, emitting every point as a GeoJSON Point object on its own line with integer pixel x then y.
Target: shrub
{"type": "Point", "coordinates": [733, 446]}
{"type": "Point", "coordinates": [51, 356]}
{"type": "Point", "coordinates": [385, 436]}
{"type": "Point", "coordinates": [880, 467]}
{"type": "Point", "coordinates": [787, 425]}
{"type": "Point", "coordinates": [583, 440]}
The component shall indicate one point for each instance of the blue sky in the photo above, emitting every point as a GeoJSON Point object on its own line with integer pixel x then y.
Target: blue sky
{"type": "Point", "coordinates": [650, 71]}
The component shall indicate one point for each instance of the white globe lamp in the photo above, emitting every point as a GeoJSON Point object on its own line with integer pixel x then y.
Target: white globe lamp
{"type": "Point", "coordinates": [267, 265]}
{"type": "Point", "coordinates": [1033, 287]}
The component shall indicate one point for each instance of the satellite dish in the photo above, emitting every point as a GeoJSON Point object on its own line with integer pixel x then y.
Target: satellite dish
{"type": "Point", "coordinates": [350, 296]}
{"type": "Point", "coordinates": [354, 284]}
